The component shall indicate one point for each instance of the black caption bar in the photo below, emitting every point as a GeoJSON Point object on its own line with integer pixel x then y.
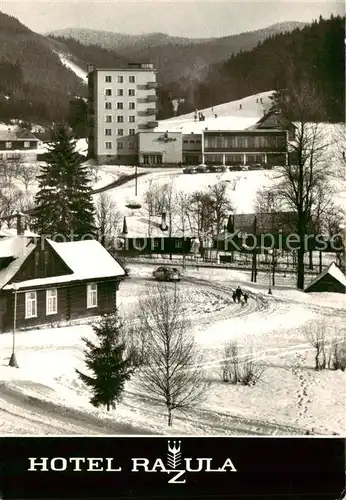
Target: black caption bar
{"type": "Point", "coordinates": [235, 468]}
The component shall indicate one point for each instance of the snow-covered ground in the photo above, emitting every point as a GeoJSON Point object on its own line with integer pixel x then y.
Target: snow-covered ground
{"type": "Point", "coordinates": [289, 399]}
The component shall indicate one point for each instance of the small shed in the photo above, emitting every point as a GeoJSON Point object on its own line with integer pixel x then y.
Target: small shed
{"type": "Point", "coordinates": [332, 279]}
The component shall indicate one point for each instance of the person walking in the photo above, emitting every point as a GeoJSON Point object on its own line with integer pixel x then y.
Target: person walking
{"type": "Point", "coordinates": [234, 296]}
{"type": "Point", "coordinates": [245, 295]}
{"type": "Point", "coordinates": [238, 293]}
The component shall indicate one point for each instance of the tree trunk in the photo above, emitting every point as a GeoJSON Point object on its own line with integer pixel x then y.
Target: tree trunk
{"type": "Point", "coordinates": [170, 418]}
{"type": "Point", "coordinates": [300, 269]}
{"type": "Point", "coordinates": [320, 261]}
{"type": "Point", "coordinates": [108, 406]}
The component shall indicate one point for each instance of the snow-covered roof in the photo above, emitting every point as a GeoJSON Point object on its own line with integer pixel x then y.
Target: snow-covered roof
{"type": "Point", "coordinates": [334, 271]}
{"type": "Point", "coordinates": [17, 135]}
{"type": "Point", "coordinates": [6, 233]}
{"type": "Point", "coordinates": [18, 247]}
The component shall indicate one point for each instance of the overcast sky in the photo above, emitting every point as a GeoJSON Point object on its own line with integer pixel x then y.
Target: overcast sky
{"type": "Point", "coordinates": [192, 19]}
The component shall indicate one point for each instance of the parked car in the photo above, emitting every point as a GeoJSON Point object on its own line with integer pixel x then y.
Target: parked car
{"type": "Point", "coordinates": [166, 274]}
{"type": "Point", "coordinates": [202, 168]}
{"type": "Point", "coordinates": [216, 168]}
{"type": "Point", "coordinates": [190, 170]}
{"type": "Point", "coordinates": [235, 168]}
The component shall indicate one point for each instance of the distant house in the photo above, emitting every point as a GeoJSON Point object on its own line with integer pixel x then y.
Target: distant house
{"type": "Point", "coordinates": [55, 282]}
{"type": "Point", "coordinates": [332, 279]}
{"type": "Point", "coordinates": [18, 143]}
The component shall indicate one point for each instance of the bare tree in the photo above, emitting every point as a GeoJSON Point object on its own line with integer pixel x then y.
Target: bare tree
{"type": "Point", "coordinates": [8, 170]}
{"type": "Point", "coordinates": [222, 205]}
{"type": "Point", "coordinates": [316, 334]}
{"type": "Point", "coordinates": [27, 174]}
{"type": "Point", "coordinates": [305, 172]}
{"type": "Point", "coordinates": [172, 373]}
{"type": "Point", "coordinates": [107, 218]}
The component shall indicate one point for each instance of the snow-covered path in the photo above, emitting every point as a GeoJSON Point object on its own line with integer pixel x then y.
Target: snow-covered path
{"type": "Point", "coordinates": [45, 396]}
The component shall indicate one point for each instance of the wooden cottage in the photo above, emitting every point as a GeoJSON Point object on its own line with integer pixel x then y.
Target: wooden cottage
{"type": "Point", "coordinates": [55, 282]}
{"type": "Point", "coordinates": [332, 279]}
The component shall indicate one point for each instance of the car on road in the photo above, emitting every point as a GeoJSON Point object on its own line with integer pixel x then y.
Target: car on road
{"type": "Point", "coordinates": [190, 170]}
{"type": "Point", "coordinates": [166, 274]}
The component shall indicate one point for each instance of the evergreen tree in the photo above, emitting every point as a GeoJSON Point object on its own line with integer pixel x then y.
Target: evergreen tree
{"type": "Point", "coordinates": [107, 361]}
{"type": "Point", "coordinates": [64, 201]}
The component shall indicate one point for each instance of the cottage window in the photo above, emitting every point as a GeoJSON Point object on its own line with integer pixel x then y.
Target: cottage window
{"type": "Point", "coordinates": [30, 305]}
{"type": "Point", "coordinates": [178, 244]}
{"type": "Point", "coordinates": [26, 144]}
{"type": "Point", "coordinates": [91, 295]}
{"type": "Point", "coordinates": [8, 145]}
{"type": "Point", "coordinates": [51, 301]}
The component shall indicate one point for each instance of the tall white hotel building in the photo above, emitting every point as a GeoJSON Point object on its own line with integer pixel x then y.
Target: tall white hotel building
{"type": "Point", "coordinates": [121, 103]}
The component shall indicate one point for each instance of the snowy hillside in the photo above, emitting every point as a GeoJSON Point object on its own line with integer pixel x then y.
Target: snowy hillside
{"type": "Point", "coordinates": [83, 75]}
{"type": "Point", "coordinates": [234, 115]}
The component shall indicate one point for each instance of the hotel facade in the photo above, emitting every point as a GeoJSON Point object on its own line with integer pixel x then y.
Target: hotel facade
{"type": "Point", "coordinates": [121, 103]}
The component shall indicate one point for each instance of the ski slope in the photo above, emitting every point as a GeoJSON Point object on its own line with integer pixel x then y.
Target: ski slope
{"type": "Point", "coordinates": [77, 70]}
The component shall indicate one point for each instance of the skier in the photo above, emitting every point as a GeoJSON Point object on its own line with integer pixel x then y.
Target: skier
{"type": "Point", "coordinates": [234, 296]}
{"type": "Point", "coordinates": [245, 295]}
{"type": "Point", "coordinates": [215, 115]}
{"type": "Point", "coordinates": [240, 106]}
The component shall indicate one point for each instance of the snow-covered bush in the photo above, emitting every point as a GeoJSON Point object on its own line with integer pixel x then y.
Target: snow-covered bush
{"type": "Point", "coordinates": [240, 369]}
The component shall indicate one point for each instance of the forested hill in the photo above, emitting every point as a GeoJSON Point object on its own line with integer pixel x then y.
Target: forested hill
{"type": "Point", "coordinates": [34, 84]}
{"type": "Point", "coordinates": [313, 54]}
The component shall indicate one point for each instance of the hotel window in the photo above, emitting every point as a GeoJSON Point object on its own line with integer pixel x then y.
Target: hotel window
{"type": "Point", "coordinates": [132, 79]}
{"type": "Point", "coordinates": [26, 144]}
{"type": "Point", "coordinates": [120, 119]}
{"type": "Point", "coordinates": [120, 105]}
{"type": "Point", "coordinates": [108, 79]}
{"type": "Point", "coordinates": [30, 305]}
{"type": "Point", "coordinates": [108, 105]}
{"type": "Point", "coordinates": [132, 131]}
{"type": "Point", "coordinates": [132, 119]}
{"type": "Point", "coordinates": [91, 295]}
{"type": "Point", "coordinates": [108, 92]}
{"type": "Point", "coordinates": [120, 79]}
{"type": "Point", "coordinates": [240, 142]}
{"type": "Point", "coordinates": [109, 119]}
{"type": "Point", "coordinates": [131, 145]}
{"type": "Point", "coordinates": [120, 131]}
{"type": "Point", "coordinates": [108, 145]}
{"type": "Point", "coordinates": [120, 145]}
{"type": "Point", "coordinates": [132, 92]}
{"type": "Point", "coordinates": [108, 131]}
{"type": "Point", "coordinates": [132, 105]}
{"type": "Point", "coordinates": [8, 145]}
{"type": "Point", "coordinates": [51, 301]}
{"type": "Point", "coordinates": [120, 92]}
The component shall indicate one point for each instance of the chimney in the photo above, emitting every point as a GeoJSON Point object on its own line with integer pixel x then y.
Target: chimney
{"type": "Point", "coordinates": [125, 231]}
{"type": "Point", "coordinates": [20, 224]}
{"type": "Point", "coordinates": [163, 225]}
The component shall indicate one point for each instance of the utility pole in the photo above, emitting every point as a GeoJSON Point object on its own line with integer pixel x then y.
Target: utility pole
{"type": "Point", "coordinates": [136, 187]}
{"type": "Point", "coordinates": [13, 361]}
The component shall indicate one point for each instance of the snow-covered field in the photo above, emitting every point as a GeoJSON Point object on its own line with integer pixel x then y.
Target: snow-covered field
{"type": "Point", "coordinates": [45, 396]}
